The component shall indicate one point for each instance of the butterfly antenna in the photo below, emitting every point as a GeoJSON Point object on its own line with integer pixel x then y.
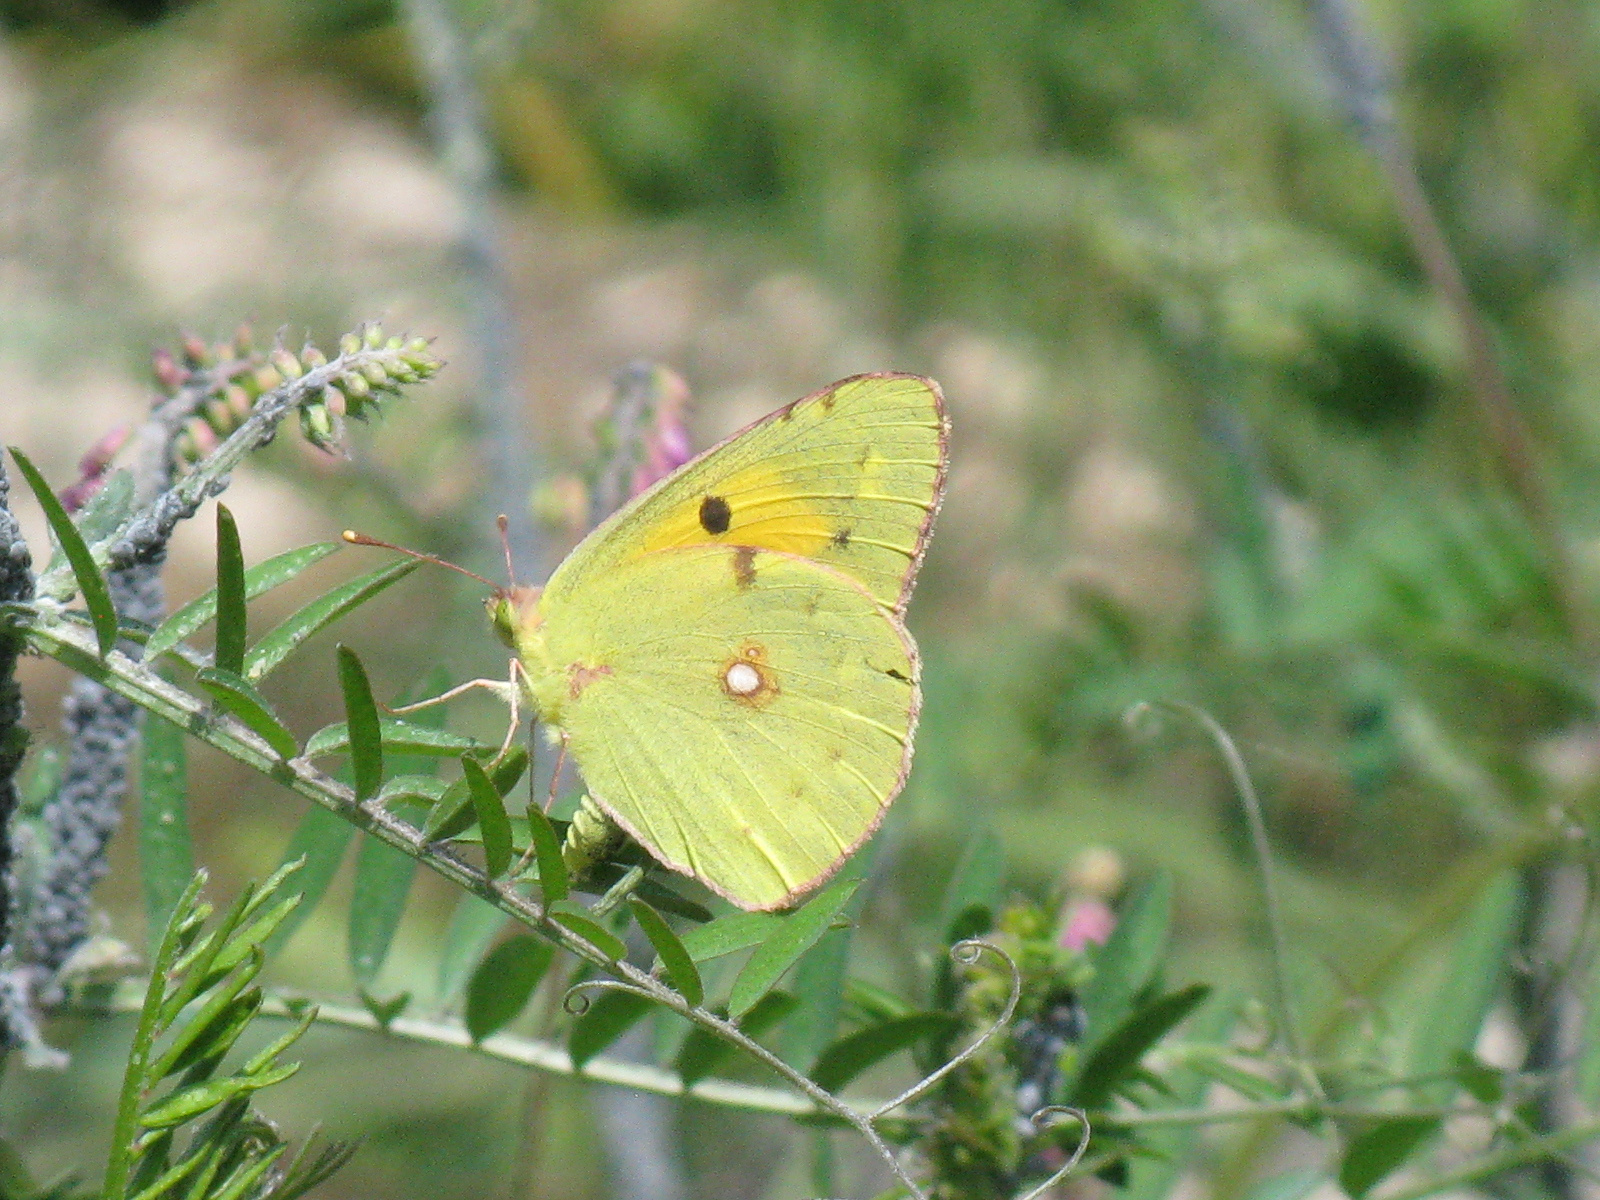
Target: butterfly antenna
{"type": "Point", "coordinates": [504, 524]}
{"type": "Point", "coordinates": [361, 539]}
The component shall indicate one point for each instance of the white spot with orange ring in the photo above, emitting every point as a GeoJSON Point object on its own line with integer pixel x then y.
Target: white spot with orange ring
{"type": "Point", "coordinates": [742, 679]}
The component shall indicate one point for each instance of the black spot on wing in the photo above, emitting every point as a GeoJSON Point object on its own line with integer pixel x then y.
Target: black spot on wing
{"type": "Point", "coordinates": [715, 515]}
{"type": "Point", "coordinates": [893, 674]}
{"type": "Point", "coordinates": [841, 539]}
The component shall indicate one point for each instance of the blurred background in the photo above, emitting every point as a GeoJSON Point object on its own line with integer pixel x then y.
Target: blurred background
{"type": "Point", "coordinates": [1219, 436]}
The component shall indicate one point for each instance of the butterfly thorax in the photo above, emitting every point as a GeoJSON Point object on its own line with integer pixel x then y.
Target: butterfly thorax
{"type": "Point", "coordinates": [518, 621]}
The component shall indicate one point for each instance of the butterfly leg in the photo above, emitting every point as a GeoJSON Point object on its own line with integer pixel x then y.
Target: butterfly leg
{"type": "Point", "coordinates": [507, 691]}
{"type": "Point", "coordinates": [549, 801]}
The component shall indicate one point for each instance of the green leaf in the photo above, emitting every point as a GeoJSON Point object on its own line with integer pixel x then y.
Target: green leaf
{"type": "Point", "coordinates": [192, 1102]}
{"type": "Point", "coordinates": [106, 510]}
{"type": "Point", "coordinates": [729, 934]}
{"type": "Point", "coordinates": [504, 980]}
{"type": "Point", "coordinates": [601, 938]}
{"type": "Point", "coordinates": [978, 878]}
{"type": "Point", "coordinates": [91, 583]}
{"type": "Point", "coordinates": [798, 932]}
{"type": "Point", "coordinates": [231, 613]}
{"type": "Point", "coordinates": [492, 820]}
{"type": "Point", "coordinates": [1451, 1020]}
{"type": "Point", "coordinates": [320, 839]}
{"type": "Point", "coordinates": [703, 1052]}
{"type": "Point", "coordinates": [1117, 1056]}
{"type": "Point", "coordinates": [250, 706]}
{"type": "Point", "coordinates": [847, 1057]}
{"type": "Point", "coordinates": [453, 813]}
{"type": "Point", "coordinates": [675, 959]}
{"type": "Point", "coordinates": [166, 858]}
{"type": "Point", "coordinates": [361, 715]}
{"type": "Point", "coordinates": [384, 1011]}
{"type": "Point", "coordinates": [1380, 1150]}
{"type": "Point", "coordinates": [610, 1015]}
{"type": "Point", "coordinates": [1296, 1185]}
{"type": "Point", "coordinates": [377, 903]}
{"type": "Point", "coordinates": [1129, 959]}
{"type": "Point", "coordinates": [258, 580]}
{"type": "Point", "coordinates": [399, 737]}
{"type": "Point", "coordinates": [553, 882]}
{"type": "Point", "coordinates": [473, 926]}
{"type": "Point", "coordinates": [425, 789]}
{"type": "Point", "coordinates": [819, 981]}
{"type": "Point", "coordinates": [318, 615]}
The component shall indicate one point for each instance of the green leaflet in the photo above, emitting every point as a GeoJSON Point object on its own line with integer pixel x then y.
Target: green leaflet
{"type": "Point", "coordinates": [258, 580]}
{"type": "Point", "coordinates": [504, 980]}
{"type": "Point", "coordinates": [283, 640]}
{"type": "Point", "coordinates": [796, 934]}
{"type": "Point", "coordinates": [91, 583]}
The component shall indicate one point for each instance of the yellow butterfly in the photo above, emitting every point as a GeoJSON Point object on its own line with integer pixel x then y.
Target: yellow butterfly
{"type": "Point", "coordinates": [725, 656]}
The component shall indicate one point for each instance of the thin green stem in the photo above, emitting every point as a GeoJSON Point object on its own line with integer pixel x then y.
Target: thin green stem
{"type": "Point", "coordinates": [125, 1129]}
{"type": "Point", "coordinates": [1245, 787]}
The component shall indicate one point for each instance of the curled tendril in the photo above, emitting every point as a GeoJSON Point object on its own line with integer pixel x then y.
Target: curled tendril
{"type": "Point", "coordinates": [1040, 1122]}
{"type": "Point", "coordinates": [576, 1003]}
{"type": "Point", "coordinates": [965, 952]}
{"type": "Point", "coordinates": [1141, 716]}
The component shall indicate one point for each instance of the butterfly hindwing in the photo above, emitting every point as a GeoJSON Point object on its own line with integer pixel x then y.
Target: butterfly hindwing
{"type": "Point", "coordinates": [745, 714]}
{"type": "Point", "coordinates": [850, 476]}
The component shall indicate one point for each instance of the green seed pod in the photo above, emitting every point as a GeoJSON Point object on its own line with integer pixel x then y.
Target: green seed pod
{"type": "Point", "coordinates": [349, 344]}
{"type": "Point", "coordinates": [312, 357]}
{"type": "Point", "coordinates": [373, 336]}
{"type": "Point", "coordinates": [354, 385]}
{"type": "Point", "coordinates": [265, 379]}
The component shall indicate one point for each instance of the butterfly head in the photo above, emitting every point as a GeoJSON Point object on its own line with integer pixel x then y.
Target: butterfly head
{"type": "Point", "coordinates": [514, 613]}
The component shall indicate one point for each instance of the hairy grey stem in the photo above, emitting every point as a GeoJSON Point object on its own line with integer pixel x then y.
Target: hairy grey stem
{"type": "Point", "coordinates": [16, 583]}
{"type": "Point", "coordinates": [456, 113]}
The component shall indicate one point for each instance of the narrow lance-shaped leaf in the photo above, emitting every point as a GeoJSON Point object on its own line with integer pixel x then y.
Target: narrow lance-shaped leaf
{"type": "Point", "coordinates": [725, 935]}
{"type": "Point", "coordinates": [166, 858]}
{"type": "Point", "coordinates": [797, 934]}
{"type": "Point", "coordinates": [1129, 958]}
{"type": "Point", "coordinates": [675, 959]}
{"type": "Point", "coordinates": [473, 926]}
{"type": "Point", "coordinates": [547, 851]}
{"type": "Point", "coordinates": [231, 612]}
{"type": "Point", "coordinates": [320, 839]}
{"type": "Point", "coordinates": [258, 580]}
{"type": "Point", "coordinates": [361, 717]}
{"type": "Point", "coordinates": [593, 932]}
{"type": "Point", "coordinates": [492, 820]}
{"type": "Point", "coordinates": [1477, 964]}
{"type": "Point", "coordinates": [454, 812]}
{"type": "Point", "coordinates": [846, 1058]}
{"type": "Point", "coordinates": [1381, 1149]}
{"type": "Point", "coordinates": [610, 1015]}
{"type": "Point", "coordinates": [91, 583]}
{"type": "Point", "coordinates": [1118, 1054]}
{"type": "Point", "coordinates": [281, 641]}
{"type": "Point", "coordinates": [399, 737]}
{"type": "Point", "coordinates": [818, 980]}
{"type": "Point", "coordinates": [383, 880]}
{"type": "Point", "coordinates": [704, 1052]}
{"type": "Point", "coordinates": [250, 706]}
{"type": "Point", "coordinates": [504, 980]}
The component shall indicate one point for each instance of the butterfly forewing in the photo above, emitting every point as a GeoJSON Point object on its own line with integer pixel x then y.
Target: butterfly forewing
{"type": "Point", "coordinates": [745, 714]}
{"type": "Point", "coordinates": [850, 476]}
